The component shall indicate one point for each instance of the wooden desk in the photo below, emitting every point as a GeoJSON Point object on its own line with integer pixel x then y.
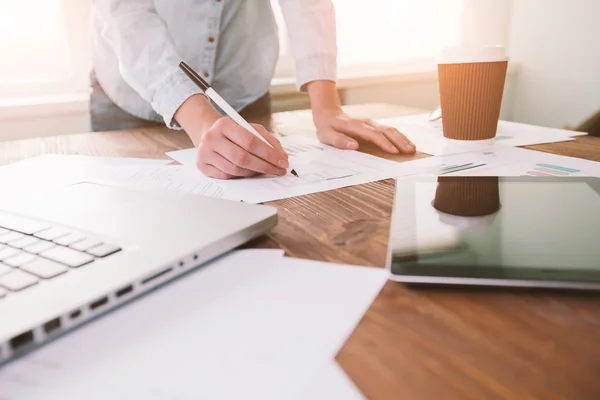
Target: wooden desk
{"type": "Point", "coordinates": [411, 344]}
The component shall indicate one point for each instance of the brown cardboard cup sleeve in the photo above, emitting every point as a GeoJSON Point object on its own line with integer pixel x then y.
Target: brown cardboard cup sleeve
{"type": "Point", "coordinates": [471, 98]}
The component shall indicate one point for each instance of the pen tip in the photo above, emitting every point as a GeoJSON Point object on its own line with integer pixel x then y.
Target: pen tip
{"type": "Point", "coordinates": [293, 172]}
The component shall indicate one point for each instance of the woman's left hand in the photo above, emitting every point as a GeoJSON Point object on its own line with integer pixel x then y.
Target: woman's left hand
{"type": "Point", "coordinates": [339, 130]}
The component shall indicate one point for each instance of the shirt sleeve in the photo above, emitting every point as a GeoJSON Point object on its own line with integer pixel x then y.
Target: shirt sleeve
{"type": "Point", "coordinates": [148, 60]}
{"type": "Point", "coordinates": [312, 31]}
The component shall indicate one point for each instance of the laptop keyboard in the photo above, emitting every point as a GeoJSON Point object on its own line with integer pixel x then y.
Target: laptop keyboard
{"type": "Point", "coordinates": [32, 251]}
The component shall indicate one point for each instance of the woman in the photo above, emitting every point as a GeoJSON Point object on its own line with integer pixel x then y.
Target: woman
{"type": "Point", "coordinates": [138, 45]}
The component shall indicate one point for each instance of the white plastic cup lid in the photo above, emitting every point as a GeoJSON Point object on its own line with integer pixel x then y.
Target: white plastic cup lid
{"type": "Point", "coordinates": [459, 55]}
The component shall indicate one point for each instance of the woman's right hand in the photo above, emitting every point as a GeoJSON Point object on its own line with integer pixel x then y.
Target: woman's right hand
{"type": "Point", "coordinates": [228, 151]}
{"type": "Point", "coordinates": [225, 149]}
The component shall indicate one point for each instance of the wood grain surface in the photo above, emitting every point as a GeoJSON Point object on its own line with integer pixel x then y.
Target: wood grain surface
{"type": "Point", "coordinates": [412, 343]}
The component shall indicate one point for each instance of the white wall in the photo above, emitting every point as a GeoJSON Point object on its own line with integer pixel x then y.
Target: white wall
{"type": "Point", "coordinates": [556, 44]}
{"type": "Point", "coordinates": [486, 22]}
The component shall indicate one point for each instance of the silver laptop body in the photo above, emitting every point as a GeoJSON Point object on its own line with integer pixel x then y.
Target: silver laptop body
{"type": "Point", "coordinates": [77, 251]}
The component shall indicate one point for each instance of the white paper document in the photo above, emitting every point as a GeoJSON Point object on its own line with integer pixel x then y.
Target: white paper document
{"type": "Point", "coordinates": [473, 163]}
{"type": "Point", "coordinates": [539, 164]}
{"type": "Point", "coordinates": [510, 161]}
{"type": "Point", "coordinates": [429, 138]}
{"type": "Point", "coordinates": [250, 325]}
{"type": "Point", "coordinates": [68, 162]}
{"type": "Point", "coordinates": [42, 173]}
{"type": "Point", "coordinates": [320, 168]}
{"type": "Point", "coordinates": [175, 178]}
{"type": "Point", "coordinates": [294, 146]}
{"type": "Point", "coordinates": [330, 383]}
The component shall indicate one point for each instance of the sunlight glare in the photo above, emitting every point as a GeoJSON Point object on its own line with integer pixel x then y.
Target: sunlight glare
{"type": "Point", "coordinates": [33, 42]}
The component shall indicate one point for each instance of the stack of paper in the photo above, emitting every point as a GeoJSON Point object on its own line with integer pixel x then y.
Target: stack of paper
{"type": "Point", "coordinates": [320, 168]}
{"type": "Point", "coordinates": [429, 138]}
{"type": "Point", "coordinates": [252, 324]}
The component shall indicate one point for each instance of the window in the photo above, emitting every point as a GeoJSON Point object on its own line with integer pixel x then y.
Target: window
{"type": "Point", "coordinates": [381, 33]}
{"type": "Point", "coordinates": [44, 48]}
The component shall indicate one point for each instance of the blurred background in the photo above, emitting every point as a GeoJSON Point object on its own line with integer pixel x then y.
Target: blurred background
{"type": "Point", "coordinates": [387, 52]}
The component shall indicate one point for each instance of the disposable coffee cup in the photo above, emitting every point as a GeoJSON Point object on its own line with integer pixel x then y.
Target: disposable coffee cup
{"type": "Point", "coordinates": [471, 86]}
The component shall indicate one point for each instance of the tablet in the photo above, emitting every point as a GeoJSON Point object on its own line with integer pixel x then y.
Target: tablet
{"type": "Point", "coordinates": [499, 231]}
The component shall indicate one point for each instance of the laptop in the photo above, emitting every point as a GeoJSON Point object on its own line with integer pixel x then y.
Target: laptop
{"type": "Point", "coordinates": [80, 250]}
{"type": "Point", "coordinates": [496, 231]}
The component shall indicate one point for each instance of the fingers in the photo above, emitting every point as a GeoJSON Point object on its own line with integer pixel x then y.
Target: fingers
{"type": "Point", "coordinates": [223, 164]}
{"type": "Point", "coordinates": [365, 131]}
{"type": "Point", "coordinates": [270, 138]}
{"type": "Point", "coordinates": [216, 166]}
{"type": "Point", "coordinates": [398, 139]}
{"type": "Point", "coordinates": [213, 172]}
{"type": "Point", "coordinates": [337, 139]}
{"type": "Point", "coordinates": [252, 145]}
{"type": "Point", "coordinates": [242, 161]}
{"type": "Point", "coordinates": [217, 151]}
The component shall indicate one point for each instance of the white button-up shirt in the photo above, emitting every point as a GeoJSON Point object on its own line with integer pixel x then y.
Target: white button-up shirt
{"type": "Point", "coordinates": [138, 45]}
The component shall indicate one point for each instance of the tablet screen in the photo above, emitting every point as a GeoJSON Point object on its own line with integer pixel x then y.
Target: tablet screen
{"type": "Point", "coordinates": [491, 227]}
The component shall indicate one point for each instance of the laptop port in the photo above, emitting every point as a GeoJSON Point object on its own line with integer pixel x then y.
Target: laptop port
{"type": "Point", "coordinates": [23, 340]}
{"type": "Point", "coordinates": [51, 326]}
{"type": "Point", "coordinates": [124, 291]}
{"type": "Point", "coordinates": [156, 276]}
{"type": "Point", "coordinates": [99, 303]}
{"type": "Point", "coordinates": [75, 314]}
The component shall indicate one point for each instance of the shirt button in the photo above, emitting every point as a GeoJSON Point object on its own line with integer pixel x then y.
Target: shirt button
{"type": "Point", "coordinates": [206, 74]}
{"type": "Point", "coordinates": [211, 39]}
